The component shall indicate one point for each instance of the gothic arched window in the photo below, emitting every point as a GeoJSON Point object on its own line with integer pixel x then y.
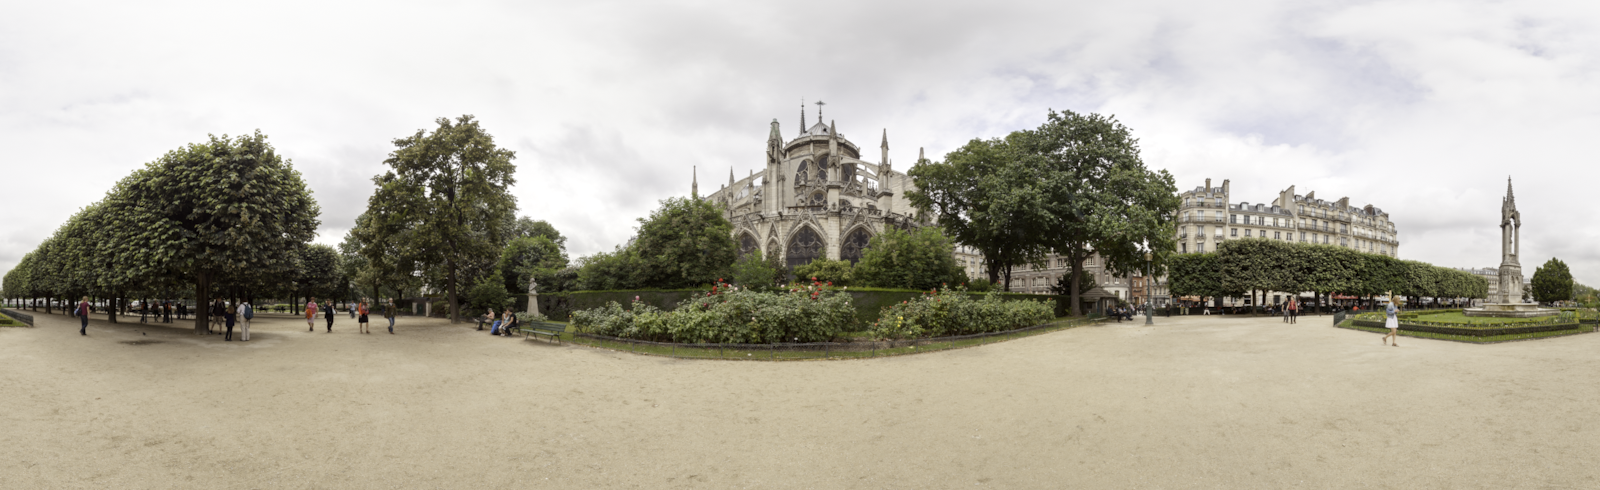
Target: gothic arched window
{"type": "Point", "coordinates": [854, 245]}
{"type": "Point", "coordinates": [747, 244]}
{"type": "Point", "coordinates": [800, 176]}
{"type": "Point", "coordinates": [805, 246]}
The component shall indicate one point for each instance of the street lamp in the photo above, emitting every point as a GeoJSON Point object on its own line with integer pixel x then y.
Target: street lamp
{"type": "Point", "coordinates": [1148, 311]}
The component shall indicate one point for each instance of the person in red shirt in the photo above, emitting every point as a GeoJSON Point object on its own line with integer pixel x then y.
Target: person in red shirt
{"type": "Point", "coordinates": [83, 316]}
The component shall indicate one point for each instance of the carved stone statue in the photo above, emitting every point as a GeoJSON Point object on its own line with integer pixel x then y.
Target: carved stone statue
{"type": "Point", "coordinates": [1510, 287]}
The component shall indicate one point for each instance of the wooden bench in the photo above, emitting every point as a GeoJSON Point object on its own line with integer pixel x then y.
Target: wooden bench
{"type": "Point", "coordinates": [533, 329]}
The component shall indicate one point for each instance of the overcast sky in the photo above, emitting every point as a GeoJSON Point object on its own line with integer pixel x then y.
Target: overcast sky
{"type": "Point", "coordinates": [1420, 108]}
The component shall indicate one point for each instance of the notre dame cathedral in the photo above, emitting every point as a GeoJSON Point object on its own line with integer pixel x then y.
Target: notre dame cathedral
{"type": "Point", "coordinates": [815, 198]}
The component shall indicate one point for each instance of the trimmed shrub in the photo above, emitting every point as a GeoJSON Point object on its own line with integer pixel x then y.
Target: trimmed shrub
{"type": "Point", "coordinates": [728, 314]}
{"type": "Point", "coordinates": [940, 313]}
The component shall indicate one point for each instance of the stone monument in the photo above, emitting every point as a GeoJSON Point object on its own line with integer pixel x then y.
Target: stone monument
{"type": "Point", "coordinates": [1507, 302]}
{"type": "Point", "coordinates": [1510, 247]}
{"type": "Point", "coordinates": [533, 296]}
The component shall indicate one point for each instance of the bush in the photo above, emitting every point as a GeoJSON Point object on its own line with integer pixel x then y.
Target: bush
{"type": "Point", "coordinates": [729, 314]}
{"type": "Point", "coordinates": [920, 259]}
{"type": "Point", "coordinates": [752, 271]}
{"type": "Point", "coordinates": [949, 311]}
{"type": "Point", "coordinates": [837, 272]}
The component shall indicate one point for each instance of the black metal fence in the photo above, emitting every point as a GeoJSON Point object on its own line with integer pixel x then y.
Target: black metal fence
{"type": "Point", "coordinates": [816, 350]}
{"type": "Point", "coordinates": [18, 316]}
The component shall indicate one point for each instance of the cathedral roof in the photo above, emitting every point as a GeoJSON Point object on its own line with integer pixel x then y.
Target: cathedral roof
{"type": "Point", "coordinates": [818, 129]}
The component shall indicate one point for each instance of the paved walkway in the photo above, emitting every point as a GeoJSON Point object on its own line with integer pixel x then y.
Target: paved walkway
{"type": "Point", "coordinates": [1196, 402]}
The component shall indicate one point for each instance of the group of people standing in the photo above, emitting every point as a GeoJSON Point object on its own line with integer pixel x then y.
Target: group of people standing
{"type": "Point", "coordinates": [361, 311]}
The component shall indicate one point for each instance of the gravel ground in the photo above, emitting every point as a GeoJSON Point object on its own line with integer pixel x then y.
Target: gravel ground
{"type": "Point", "coordinates": [1195, 402]}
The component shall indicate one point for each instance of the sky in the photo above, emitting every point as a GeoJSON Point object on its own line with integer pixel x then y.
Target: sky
{"type": "Point", "coordinates": [1421, 108]}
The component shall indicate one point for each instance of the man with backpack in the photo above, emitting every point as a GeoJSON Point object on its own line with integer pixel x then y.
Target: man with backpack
{"type": "Point", "coordinates": [246, 312]}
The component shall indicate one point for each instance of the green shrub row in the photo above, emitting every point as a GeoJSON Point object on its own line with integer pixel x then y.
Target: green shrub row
{"type": "Point", "coordinates": [1470, 330]}
{"type": "Point", "coordinates": [730, 315]}
{"type": "Point", "coordinates": [867, 302]}
{"type": "Point", "coordinates": [947, 312]}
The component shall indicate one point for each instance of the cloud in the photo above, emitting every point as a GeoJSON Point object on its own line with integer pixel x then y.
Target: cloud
{"type": "Point", "coordinates": [1421, 108]}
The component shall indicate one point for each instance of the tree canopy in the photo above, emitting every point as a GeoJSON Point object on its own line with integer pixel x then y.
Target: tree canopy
{"type": "Point", "coordinates": [918, 259]}
{"type": "Point", "coordinates": [1552, 282]}
{"type": "Point", "coordinates": [227, 211]}
{"type": "Point", "coordinates": [443, 205]}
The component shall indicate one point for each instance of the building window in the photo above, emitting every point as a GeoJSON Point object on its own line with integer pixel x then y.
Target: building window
{"type": "Point", "coordinates": [1277, 235]}
{"type": "Point", "coordinates": [1233, 218]}
{"type": "Point", "coordinates": [1247, 233]}
{"type": "Point", "coordinates": [1183, 248]}
{"type": "Point", "coordinates": [1200, 247]}
{"type": "Point", "coordinates": [1302, 236]}
{"type": "Point", "coordinates": [1235, 232]}
{"type": "Point", "coordinates": [1219, 216]}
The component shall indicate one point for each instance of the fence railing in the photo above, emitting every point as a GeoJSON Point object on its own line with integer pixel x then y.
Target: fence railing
{"type": "Point", "coordinates": [818, 350]}
{"type": "Point", "coordinates": [18, 316]}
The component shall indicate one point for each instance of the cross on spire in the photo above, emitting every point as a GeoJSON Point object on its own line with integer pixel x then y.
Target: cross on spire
{"type": "Point", "coordinates": [819, 110]}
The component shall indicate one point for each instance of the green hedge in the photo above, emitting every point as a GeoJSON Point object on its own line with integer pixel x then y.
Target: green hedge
{"type": "Point", "coordinates": [1472, 331]}
{"type": "Point", "coordinates": [868, 302]}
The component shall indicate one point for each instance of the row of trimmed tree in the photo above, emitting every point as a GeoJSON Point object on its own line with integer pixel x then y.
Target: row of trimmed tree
{"type": "Point", "coordinates": [228, 211]}
{"type": "Point", "coordinates": [1245, 268]}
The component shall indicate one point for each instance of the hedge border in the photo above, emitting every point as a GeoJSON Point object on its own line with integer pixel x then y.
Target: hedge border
{"type": "Point", "coordinates": [868, 302]}
{"type": "Point", "coordinates": [1466, 339]}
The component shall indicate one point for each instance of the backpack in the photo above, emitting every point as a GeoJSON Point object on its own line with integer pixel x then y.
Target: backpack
{"type": "Point", "coordinates": [249, 311]}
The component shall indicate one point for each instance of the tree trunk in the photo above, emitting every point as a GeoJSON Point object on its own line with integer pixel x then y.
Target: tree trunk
{"type": "Point", "coordinates": [451, 283]}
{"type": "Point", "coordinates": [994, 270]}
{"type": "Point", "coordinates": [1073, 281]}
{"type": "Point", "coordinates": [201, 287]}
{"type": "Point", "coordinates": [1008, 277]}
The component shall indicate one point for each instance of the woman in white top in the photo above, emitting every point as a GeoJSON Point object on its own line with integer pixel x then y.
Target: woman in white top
{"type": "Point", "coordinates": [1392, 320]}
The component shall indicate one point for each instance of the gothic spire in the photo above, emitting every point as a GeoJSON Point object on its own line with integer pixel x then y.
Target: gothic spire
{"type": "Point", "coordinates": [1509, 195]}
{"type": "Point", "coordinates": [802, 116]}
{"type": "Point", "coordinates": [885, 144]}
{"type": "Point", "coordinates": [694, 185]}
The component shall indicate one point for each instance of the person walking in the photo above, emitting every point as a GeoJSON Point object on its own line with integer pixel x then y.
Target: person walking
{"type": "Point", "coordinates": [311, 315]}
{"type": "Point", "coordinates": [388, 313]}
{"type": "Point", "coordinates": [1293, 309]}
{"type": "Point", "coordinates": [228, 317]}
{"type": "Point", "coordinates": [1392, 320]}
{"type": "Point", "coordinates": [83, 316]}
{"type": "Point", "coordinates": [362, 322]}
{"type": "Point", "coordinates": [246, 313]}
{"type": "Point", "coordinates": [329, 316]}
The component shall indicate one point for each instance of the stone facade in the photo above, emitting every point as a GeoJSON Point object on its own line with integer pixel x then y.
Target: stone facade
{"type": "Point", "coordinates": [815, 198]}
{"type": "Point", "coordinates": [1208, 217]}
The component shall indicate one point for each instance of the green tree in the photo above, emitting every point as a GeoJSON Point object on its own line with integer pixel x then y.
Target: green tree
{"type": "Point", "coordinates": [319, 274]}
{"type": "Point", "coordinates": [227, 211]}
{"type": "Point", "coordinates": [619, 269]}
{"type": "Point", "coordinates": [839, 272]}
{"type": "Point", "coordinates": [1097, 195]}
{"type": "Point", "coordinates": [450, 190]}
{"type": "Point", "coordinates": [920, 259]}
{"type": "Point", "coordinates": [984, 197]}
{"type": "Point", "coordinates": [489, 293]}
{"type": "Point", "coordinates": [529, 227]}
{"type": "Point", "coordinates": [685, 243]}
{"type": "Point", "coordinates": [754, 271]}
{"type": "Point", "coordinates": [535, 257]}
{"type": "Point", "coordinates": [1551, 282]}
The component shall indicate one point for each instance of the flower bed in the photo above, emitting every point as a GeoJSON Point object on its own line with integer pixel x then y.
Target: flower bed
{"type": "Point", "coordinates": [728, 314]}
{"type": "Point", "coordinates": [945, 312]}
{"type": "Point", "coordinates": [1412, 323]}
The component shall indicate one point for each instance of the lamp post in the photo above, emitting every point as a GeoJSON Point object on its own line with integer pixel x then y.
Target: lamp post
{"type": "Point", "coordinates": [1148, 311]}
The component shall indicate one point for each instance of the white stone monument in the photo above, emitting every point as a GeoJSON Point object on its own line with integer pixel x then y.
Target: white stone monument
{"type": "Point", "coordinates": [533, 296]}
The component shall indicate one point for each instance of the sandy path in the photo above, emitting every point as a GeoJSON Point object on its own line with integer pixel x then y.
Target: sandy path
{"type": "Point", "coordinates": [1201, 402]}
